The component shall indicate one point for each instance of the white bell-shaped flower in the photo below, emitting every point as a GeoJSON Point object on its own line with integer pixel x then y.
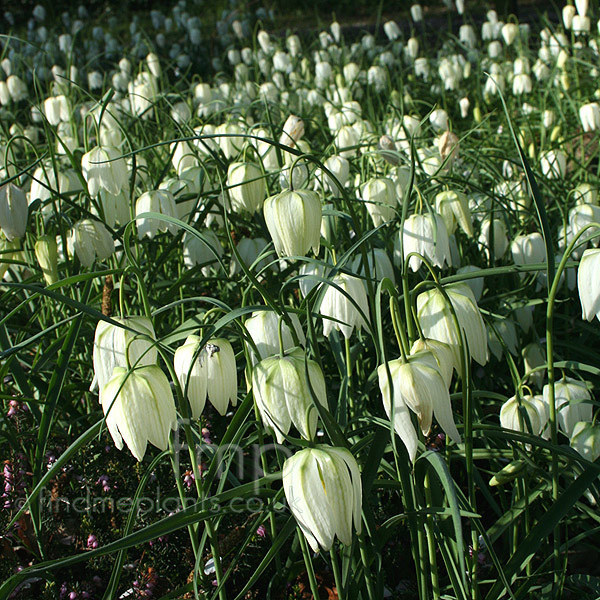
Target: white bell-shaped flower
{"type": "Point", "coordinates": [589, 115]}
{"type": "Point", "coordinates": [534, 411]}
{"type": "Point", "coordinates": [528, 250]}
{"type": "Point", "coordinates": [128, 346]}
{"type": "Point", "coordinates": [263, 327]}
{"type": "Point", "coordinates": [221, 374]}
{"type": "Point", "coordinates": [379, 195]}
{"type": "Point", "coordinates": [379, 262]}
{"type": "Point", "coordinates": [246, 185]}
{"type": "Point", "coordinates": [588, 284]}
{"type": "Point", "coordinates": [156, 201]}
{"type": "Point", "coordinates": [293, 218]}
{"type": "Point", "coordinates": [13, 211]}
{"type": "Point", "coordinates": [282, 393]}
{"type": "Point", "coordinates": [418, 385]}
{"type": "Point", "coordinates": [323, 488]}
{"type": "Point", "coordinates": [454, 209]}
{"type": "Point", "coordinates": [586, 440]}
{"type": "Point", "coordinates": [89, 239]}
{"type": "Point", "coordinates": [570, 395]}
{"type": "Point", "coordinates": [339, 308]}
{"type": "Point", "coordinates": [104, 168]}
{"type": "Point", "coordinates": [553, 164]}
{"type": "Point", "coordinates": [427, 236]}
{"type": "Point", "coordinates": [340, 169]}
{"type": "Point", "coordinates": [204, 250]}
{"type": "Point", "coordinates": [442, 354]}
{"type": "Point", "coordinates": [139, 408]}
{"type": "Point", "coordinates": [187, 363]}
{"type": "Point", "coordinates": [497, 233]}
{"type": "Point", "coordinates": [437, 322]}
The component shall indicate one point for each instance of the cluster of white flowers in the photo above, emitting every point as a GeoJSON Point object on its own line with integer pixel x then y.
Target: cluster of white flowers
{"type": "Point", "coordinates": [310, 166]}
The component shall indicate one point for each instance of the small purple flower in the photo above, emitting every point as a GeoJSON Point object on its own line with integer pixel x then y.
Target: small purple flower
{"type": "Point", "coordinates": [188, 478]}
{"type": "Point", "coordinates": [104, 481]}
{"type": "Point", "coordinates": [92, 541]}
{"type": "Point", "coordinates": [13, 408]}
{"type": "Point", "coordinates": [261, 531]}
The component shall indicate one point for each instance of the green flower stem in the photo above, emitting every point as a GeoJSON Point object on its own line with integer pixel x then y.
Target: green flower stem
{"type": "Point", "coordinates": [364, 555]}
{"type": "Point", "coordinates": [265, 468]}
{"type": "Point", "coordinates": [336, 574]}
{"type": "Point", "coordinates": [468, 412]}
{"type": "Point", "coordinates": [403, 342]}
{"type": "Point", "coordinates": [314, 588]}
{"type": "Point", "coordinates": [349, 395]}
{"type": "Point", "coordinates": [200, 489]}
{"type": "Point", "coordinates": [435, 584]}
{"type": "Point", "coordinates": [192, 529]}
{"type": "Point", "coordinates": [410, 326]}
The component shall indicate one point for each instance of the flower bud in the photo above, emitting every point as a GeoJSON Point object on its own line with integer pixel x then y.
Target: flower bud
{"type": "Point", "coordinates": [294, 221]}
{"type": "Point", "coordinates": [293, 130]}
{"type": "Point", "coordinates": [46, 252]}
{"type": "Point", "coordinates": [323, 488]}
{"type": "Point", "coordinates": [448, 146]}
{"type": "Point", "coordinates": [139, 408]}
